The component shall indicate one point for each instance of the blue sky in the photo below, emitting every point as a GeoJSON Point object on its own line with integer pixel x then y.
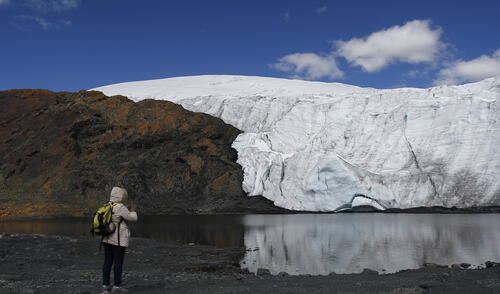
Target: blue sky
{"type": "Point", "coordinates": [80, 44]}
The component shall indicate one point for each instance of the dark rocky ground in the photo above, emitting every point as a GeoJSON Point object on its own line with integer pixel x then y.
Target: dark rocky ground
{"type": "Point", "coordinates": [54, 264]}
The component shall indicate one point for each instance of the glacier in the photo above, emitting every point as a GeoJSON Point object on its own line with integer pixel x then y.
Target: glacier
{"type": "Point", "coordinates": [314, 146]}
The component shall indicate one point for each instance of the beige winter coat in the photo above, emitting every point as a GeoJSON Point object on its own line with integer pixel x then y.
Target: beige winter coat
{"type": "Point", "coordinates": [120, 212]}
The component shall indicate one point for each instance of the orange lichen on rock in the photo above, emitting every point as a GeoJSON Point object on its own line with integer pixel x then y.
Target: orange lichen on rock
{"type": "Point", "coordinates": [91, 157]}
{"type": "Point", "coordinates": [46, 185]}
{"type": "Point", "coordinates": [208, 145]}
{"type": "Point", "coordinates": [195, 163]}
{"type": "Point", "coordinates": [154, 127]}
{"type": "Point", "coordinates": [42, 209]}
{"type": "Point", "coordinates": [168, 184]}
{"type": "Point", "coordinates": [5, 212]}
{"type": "Point", "coordinates": [221, 184]}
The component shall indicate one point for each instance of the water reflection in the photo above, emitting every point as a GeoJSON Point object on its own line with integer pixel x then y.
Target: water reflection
{"type": "Point", "coordinates": [215, 230]}
{"type": "Point", "coordinates": [348, 243]}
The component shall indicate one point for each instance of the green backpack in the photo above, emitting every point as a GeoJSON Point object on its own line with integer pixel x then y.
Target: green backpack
{"type": "Point", "coordinates": [102, 224]}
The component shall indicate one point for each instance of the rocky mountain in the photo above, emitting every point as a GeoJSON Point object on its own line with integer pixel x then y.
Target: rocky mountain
{"type": "Point", "coordinates": [61, 153]}
{"type": "Point", "coordinates": [328, 147]}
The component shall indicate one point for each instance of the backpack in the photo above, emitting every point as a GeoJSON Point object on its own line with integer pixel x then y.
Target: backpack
{"type": "Point", "coordinates": [102, 224]}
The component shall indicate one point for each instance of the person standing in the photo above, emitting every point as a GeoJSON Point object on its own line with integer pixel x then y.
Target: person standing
{"type": "Point", "coordinates": [116, 243]}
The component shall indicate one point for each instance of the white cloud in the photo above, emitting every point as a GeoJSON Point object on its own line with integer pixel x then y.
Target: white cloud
{"type": "Point", "coordinates": [28, 21]}
{"type": "Point", "coordinates": [45, 24]}
{"type": "Point", "coordinates": [322, 9]}
{"type": "Point", "coordinates": [66, 23]}
{"type": "Point", "coordinates": [4, 2]}
{"type": "Point", "coordinates": [52, 5]}
{"type": "Point", "coordinates": [414, 42]}
{"type": "Point", "coordinates": [473, 70]}
{"type": "Point", "coordinates": [286, 16]}
{"type": "Point", "coordinates": [309, 66]}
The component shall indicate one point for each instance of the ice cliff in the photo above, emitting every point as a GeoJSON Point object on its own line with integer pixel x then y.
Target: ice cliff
{"type": "Point", "coordinates": [314, 146]}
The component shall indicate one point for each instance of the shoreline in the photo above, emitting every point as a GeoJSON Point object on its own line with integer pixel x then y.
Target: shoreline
{"type": "Point", "coordinates": [414, 210]}
{"type": "Point", "coordinates": [33, 263]}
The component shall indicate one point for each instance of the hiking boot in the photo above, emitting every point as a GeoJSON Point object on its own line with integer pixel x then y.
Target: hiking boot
{"type": "Point", "coordinates": [117, 289]}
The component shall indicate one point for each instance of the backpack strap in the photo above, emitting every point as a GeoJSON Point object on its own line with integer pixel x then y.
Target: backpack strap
{"type": "Point", "coordinates": [118, 226]}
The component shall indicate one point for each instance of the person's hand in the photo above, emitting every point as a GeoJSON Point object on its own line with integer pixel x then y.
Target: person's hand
{"type": "Point", "coordinates": [132, 206]}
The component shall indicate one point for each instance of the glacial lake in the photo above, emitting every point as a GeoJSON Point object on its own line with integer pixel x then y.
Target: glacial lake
{"type": "Point", "coordinates": [316, 244]}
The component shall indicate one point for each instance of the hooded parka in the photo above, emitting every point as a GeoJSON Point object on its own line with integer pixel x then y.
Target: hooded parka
{"type": "Point", "coordinates": [120, 216]}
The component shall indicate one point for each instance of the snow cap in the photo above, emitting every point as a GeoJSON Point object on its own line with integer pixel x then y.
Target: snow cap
{"type": "Point", "coordinates": [118, 195]}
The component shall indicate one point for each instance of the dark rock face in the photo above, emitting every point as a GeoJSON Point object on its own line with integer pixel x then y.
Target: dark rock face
{"type": "Point", "coordinates": [61, 153]}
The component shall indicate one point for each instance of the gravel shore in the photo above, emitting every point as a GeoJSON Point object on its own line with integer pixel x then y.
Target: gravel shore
{"type": "Point", "coordinates": [56, 264]}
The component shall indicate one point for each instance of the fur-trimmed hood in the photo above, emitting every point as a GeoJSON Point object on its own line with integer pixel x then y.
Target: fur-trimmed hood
{"type": "Point", "coordinates": [118, 195]}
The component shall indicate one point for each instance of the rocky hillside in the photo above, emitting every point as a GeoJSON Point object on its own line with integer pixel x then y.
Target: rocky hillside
{"type": "Point", "coordinates": [61, 153]}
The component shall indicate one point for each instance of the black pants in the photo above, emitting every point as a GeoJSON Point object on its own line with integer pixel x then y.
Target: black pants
{"type": "Point", "coordinates": [113, 256]}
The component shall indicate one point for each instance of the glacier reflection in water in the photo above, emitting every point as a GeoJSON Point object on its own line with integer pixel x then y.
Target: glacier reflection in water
{"type": "Point", "coordinates": [321, 244]}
